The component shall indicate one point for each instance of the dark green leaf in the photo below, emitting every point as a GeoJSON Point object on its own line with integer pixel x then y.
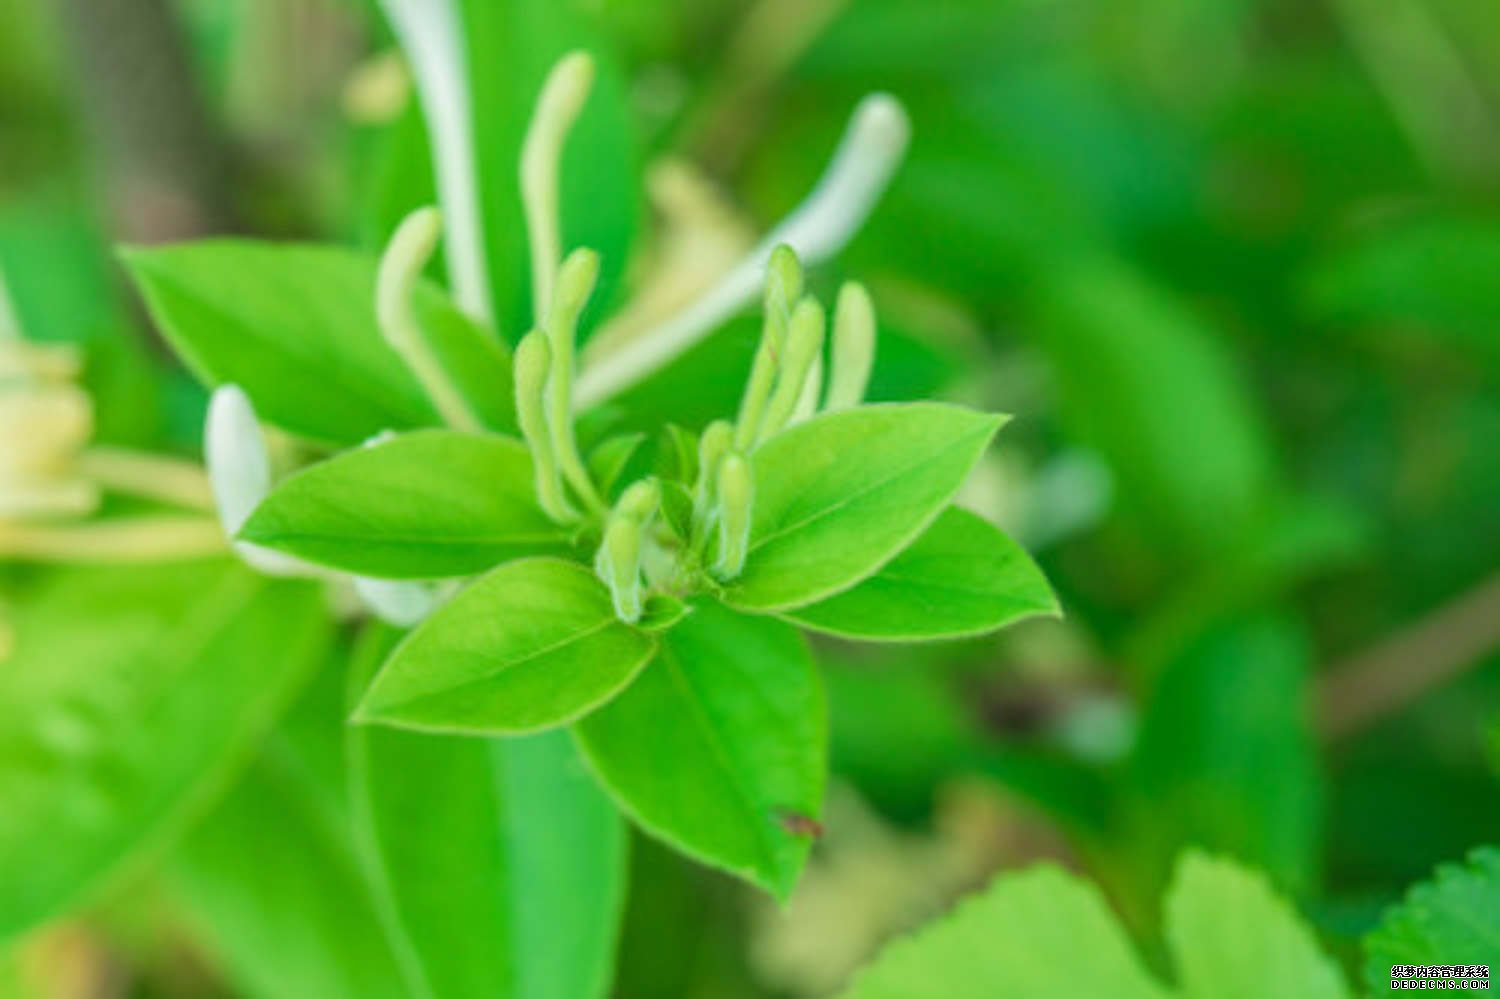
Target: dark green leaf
{"type": "Point", "coordinates": [274, 870]}
{"type": "Point", "coordinates": [503, 861]}
{"type": "Point", "coordinates": [1225, 758]}
{"type": "Point", "coordinates": [130, 697]}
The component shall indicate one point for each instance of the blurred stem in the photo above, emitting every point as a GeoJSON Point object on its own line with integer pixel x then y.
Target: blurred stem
{"type": "Point", "coordinates": [766, 44]}
{"type": "Point", "coordinates": [157, 153]}
{"type": "Point", "coordinates": [1432, 651]}
{"type": "Point", "coordinates": [1422, 75]}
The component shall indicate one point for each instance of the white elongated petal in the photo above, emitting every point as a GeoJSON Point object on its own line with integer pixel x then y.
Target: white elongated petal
{"type": "Point", "coordinates": [428, 31]}
{"type": "Point", "coordinates": [239, 473]}
{"type": "Point", "coordinates": [396, 602]}
{"type": "Point", "coordinates": [861, 167]}
{"type": "Point", "coordinates": [239, 470]}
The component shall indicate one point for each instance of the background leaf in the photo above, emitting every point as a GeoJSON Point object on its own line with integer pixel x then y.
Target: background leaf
{"type": "Point", "coordinates": [1454, 918]}
{"type": "Point", "coordinates": [1030, 934]}
{"type": "Point", "coordinates": [130, 698]}
{"type": "Point", "coordinates": [523, 899]}
{"type": "Point", "coordinates": [1225, 758]}
{"type": "Point", "coordinates": [1232, 937]}
{"type": "Point", "coordinates": [308, 922]}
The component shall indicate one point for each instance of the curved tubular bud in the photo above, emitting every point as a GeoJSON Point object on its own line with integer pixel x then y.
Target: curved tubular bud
{"type": "Point", "coordinates": [853, 347]}
{"type": "Point", "coordinates": [429, 33]}
{"type": "Point", "coordinates": [239, 474]}
{"type": "Point", "coordinates": [717, 439]}
{"type": "Point", "coordinates": [866, 158]}
{"type": "Point", "coordinates": [736, 499]}
{"type": "Point", "coordinates": [803, 344]}
{"type": "Point", "coordinates": [401, 266]}
{"type": "Point", "coordinates": [812, 393]}
{"type": "Point", "coordinates": [397, 602]}
{"type": "Point", "coordinates": [575, 283]}
{"type": "Point", "coordinates": [639, 502]}
{"type": "Point", "coordinates": [783, 283]}
{"type": "Point", "coordinates": [532, 363]}
{"type": "Point", "coordinates": [619, 564]}
{"type": "Point", "coordinates": [783, 288]}
{"type": "Point", "coordinates": [557, 108]}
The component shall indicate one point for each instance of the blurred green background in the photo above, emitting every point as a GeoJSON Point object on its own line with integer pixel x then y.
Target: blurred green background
{"type": "Point", "coordinates": [1234, 265]}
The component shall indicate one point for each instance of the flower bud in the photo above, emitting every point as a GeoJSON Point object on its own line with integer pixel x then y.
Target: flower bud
{"type": "Point", "coordinates": [557, 108]}
{"type": "Point", "coordinates": [532, 364]}
{"type": "Point", "coordinates": [401, 265]}
{"type": "Point", "coordinates": [639, 501]}
{"type": "Point", "coordinates": [619, 565]}
{"type": "Point", "coordinates": [575, 283]}
{"type": "Point", "coordinates": [853, 347]}
{"type": "Point", "coordinates": [783, 282]}
{"type": "Point", "coordinates": [736, 498]}
{"type": "Point", "coordinates": [803, 343]}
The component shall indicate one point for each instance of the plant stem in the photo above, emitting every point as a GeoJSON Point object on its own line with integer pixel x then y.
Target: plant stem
{"type": "Point", "coordinates": [1435, 649]}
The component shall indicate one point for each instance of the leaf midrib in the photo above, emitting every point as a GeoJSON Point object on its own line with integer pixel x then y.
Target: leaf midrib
{"type": "Point", "coordinates": [862, 492]}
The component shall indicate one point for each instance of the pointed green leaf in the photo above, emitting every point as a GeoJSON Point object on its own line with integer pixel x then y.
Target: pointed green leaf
{"type": "Point", "coordinates": [720, 745]}
{"type": "Point", "coordinates": [1232, 937]}
{"type": "Point", "coordinates": [294, 326]}
{"type": "Point", "coordinates": [963, 576]}
{"type": "Point", "coordinates": [532, 645]}
{"type": "Point", "coordinates": [1454, 918]}
{"type": "Point", "coordinates": [422, 505]}
{"type": "Point", "coordinates": [130, 697]}
{"type": "Point", "coordinates": [502, 860]}
{"type": "Point", "coordinates": [1034, 934]}
{"type": "Point", "coordinates": [838, 496]}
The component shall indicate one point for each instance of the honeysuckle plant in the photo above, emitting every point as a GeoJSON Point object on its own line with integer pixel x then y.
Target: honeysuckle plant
{"type": "Point", "coordinates": [647, 591]}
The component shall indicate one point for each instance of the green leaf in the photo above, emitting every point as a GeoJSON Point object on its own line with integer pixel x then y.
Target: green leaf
{"type": "Point", "coordinates": [720, 745]}
{"type": "Point", "coordinates": [534, 644]}
{"type": "Point", "coordinates": [1428, 278]}
{"type": "Point", "coordinates": [294, 326]}
{"type": "Point", "coordinates": [131, 696]}
{"type": "Point", "coordinates": [1147, 383]}
{"type": "Point", "coordinates": [963, 576]}
{"type": "Point", "coordinates": [1034, 934]}
{"type": "Point", "coordinates": [274, 869]}
{"type": "Point", "coordinates": [838, 496]}
{"type": "Point", "coordinates": [1232, 937]}
{"type": "Point", "coordinates": [422, 505]}
{"type": "Point", "coordinates": [1452, 919]}
{"type": "Point", "coordinates": [1226, 757]}
{"type": "Point", "coordinates": [502, 860]}
{"type": "Point", "coordinates": [1045, 932]}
